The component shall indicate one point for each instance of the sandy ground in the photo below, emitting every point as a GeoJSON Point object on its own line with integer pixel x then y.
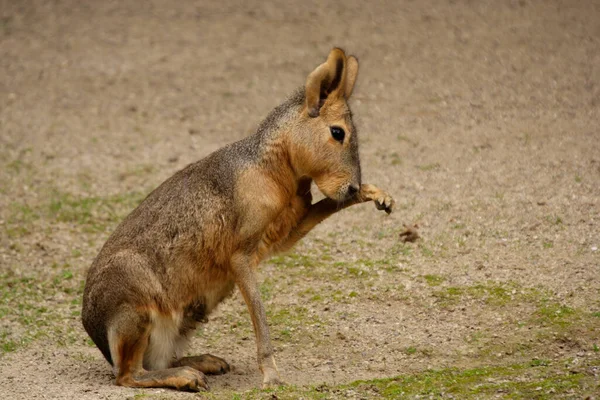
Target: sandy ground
{"type": "Point", "coordinates": [481, 118]}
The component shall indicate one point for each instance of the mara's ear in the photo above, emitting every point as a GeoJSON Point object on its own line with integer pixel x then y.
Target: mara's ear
{"type": "Point", "coordinates": [328, 79]}
{"type": "Point", "coordinates": [351, 74]}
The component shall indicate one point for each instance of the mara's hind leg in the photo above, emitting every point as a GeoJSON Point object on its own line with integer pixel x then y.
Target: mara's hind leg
{"type": "Point", "coordinates": [128, 336]}
{"type": "Point", "coordinates": [206, 363]}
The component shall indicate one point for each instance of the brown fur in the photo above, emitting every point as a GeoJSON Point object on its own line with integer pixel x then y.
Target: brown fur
{"type": "Point", "coordinates": [206, 229]}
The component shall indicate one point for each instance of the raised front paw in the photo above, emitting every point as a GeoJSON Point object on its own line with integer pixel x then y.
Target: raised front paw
{"type": "Point", "coordinates": [382, 199]}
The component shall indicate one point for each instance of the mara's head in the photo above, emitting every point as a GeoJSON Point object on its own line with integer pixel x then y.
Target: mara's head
{"type": "Point", "coordinates": [324, 138]}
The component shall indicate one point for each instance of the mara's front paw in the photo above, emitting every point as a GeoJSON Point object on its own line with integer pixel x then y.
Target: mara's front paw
{"type": "Point", "coordinates": [383, 200]}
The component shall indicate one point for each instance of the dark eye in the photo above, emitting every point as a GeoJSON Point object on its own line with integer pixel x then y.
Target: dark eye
{"type": "Point", "coordinates": [338, 133]}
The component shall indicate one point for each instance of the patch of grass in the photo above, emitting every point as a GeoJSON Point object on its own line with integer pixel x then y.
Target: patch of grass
{"type": "Point", "coordinates": [320, 295]}
{"type": "Point", "coordinates": [292, 260]}
{"type": "Point", "coordinates": [6, 344]}
{"type": "Point", "coordinates": [429, 167]}
{"type": "Point", "coordinates": [293, 320]}
{"type": "Point", "coordinates": [454, 291]}
{"type": "Point", "coordinates": [21, 217]}
{"type": "Point", "coordinates": [15, 232]}
{"type": "Point", "coordinates": [401, 249]}
{"type": "Point", "coordinates": [375, 263]}
{"type": "Point", "coordinates": [327, 268]}
{"type": "Point", "coordinates": [266, 289]}
{"type": "Point", "coordinates": [285, 333]}
{"type": "Point", "coordinates": [316, 298]}
{"type": "Point", "coordinates": [139, 170]}
{"type": "Point", "coordinates": [522, 381]}
{"type": "Point", "coordinates": [491, 293]}
{"type": "Point", "coordinates": [18, 165]}
{"type": "Point", "coordinates": [448, 296]}
{"type": "Point", "coordinates": [475, 337]}
{"type": "Point", "coordinates": [93, 213]}
{"type": "Point", "coordinates": [5, 25]}
{"type": "Point", "coordinates": [426, 251]}
{"type": "Point", "coordinates": [406, 139]}
{"type": "Point", "coordinates": [84, 358]}
{"type": "Point", "coordinates": [355, 271]}
{"type": "Point", "coordinates": [32, 308]}
{"type": "Point", "coordinates": [22, 213]}
{"type": "Point", "coordinates": [554, 220]}
{"type": "Point", "coordinates": [395, 159]}
{"type": "Point", "coordinates": [434, 280]}
{"type": "Point", "coordinates": [339, 296]}
{"type": "Point", "coordinates": [539, 363]}
{"type": "Point", "coordinates": [444, 206]}
{"type": "Point", "coordinates": [362, 268]}
{"type": "Point", "coordinates": [553, 313]}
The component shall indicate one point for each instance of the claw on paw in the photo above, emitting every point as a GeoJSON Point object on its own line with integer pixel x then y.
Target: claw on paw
{"type": "Point", "coordinates": [383, 201]}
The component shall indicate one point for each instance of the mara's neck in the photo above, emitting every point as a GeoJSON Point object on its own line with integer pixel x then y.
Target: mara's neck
{"type": "Point", "coordinates": [277, 162]}
{"type": "Point", "coordinates": [273, 137]}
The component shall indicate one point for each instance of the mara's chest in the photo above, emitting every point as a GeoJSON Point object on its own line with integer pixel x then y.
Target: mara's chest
{"type": "Point", "coordinates": [279, 228]}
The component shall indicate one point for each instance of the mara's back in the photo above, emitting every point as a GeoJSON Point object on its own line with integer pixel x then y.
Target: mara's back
{"type": "Point", "coordinates": [192, 214]}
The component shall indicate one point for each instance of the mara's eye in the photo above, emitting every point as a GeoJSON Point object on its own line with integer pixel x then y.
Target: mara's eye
{"type": "Point", "coordinates": [338, 133]}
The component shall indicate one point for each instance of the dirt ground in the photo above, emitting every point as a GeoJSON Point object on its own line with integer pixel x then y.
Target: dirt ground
{"type": "Point", "coordinates": [480, 117]}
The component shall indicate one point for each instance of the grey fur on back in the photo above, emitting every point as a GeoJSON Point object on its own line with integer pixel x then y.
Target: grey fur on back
{"type": "Point", "coordinates": [200, 192]}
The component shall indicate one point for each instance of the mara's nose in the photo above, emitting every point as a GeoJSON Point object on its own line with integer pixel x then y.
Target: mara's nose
{"type": "Point", "coordinates": [353, 190]}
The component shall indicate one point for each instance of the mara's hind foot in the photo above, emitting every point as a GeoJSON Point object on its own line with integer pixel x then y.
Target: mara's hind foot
{"type": "Point", "coordinates": [205, 363]}
{"type": "Point", "coordinates": [182, 378]}
{"type": "Point", "coordinates": [129, 337]}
